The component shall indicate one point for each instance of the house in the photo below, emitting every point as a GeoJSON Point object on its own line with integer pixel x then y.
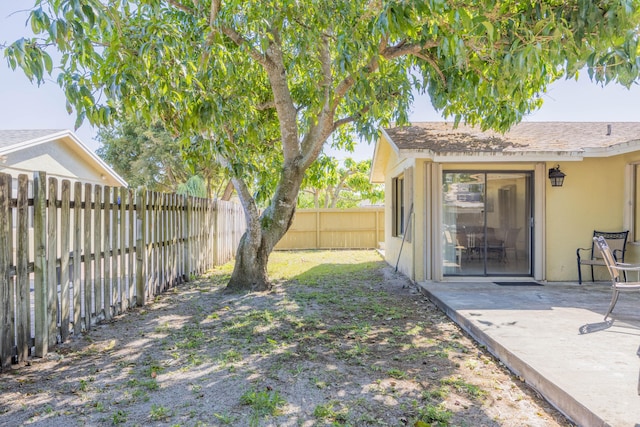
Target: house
{"type": "Point", "coordinates": [463, 203]}
{"type": "Point", "coordinates": [59, 153]}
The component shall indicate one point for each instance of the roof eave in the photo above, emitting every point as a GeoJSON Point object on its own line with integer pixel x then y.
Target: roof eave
{"type": "Point", "coordinates": [97, 159]}
{"type": "Point", "coordinates": [376, 176]}
{"type": "Point", "coordinates": [492, 157]}
{"type": "Point", "coordinates": [33, 142]}
{"type": "Point", "coordinates": [613, 150]}
{"type": "Point", "coordinates": [78, 144]}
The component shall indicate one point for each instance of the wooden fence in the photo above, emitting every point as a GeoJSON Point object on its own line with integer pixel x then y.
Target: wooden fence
{"type": "Point", "coordinates": [75, 254]}
{"type": "Point", "coordinates": [361, 228]}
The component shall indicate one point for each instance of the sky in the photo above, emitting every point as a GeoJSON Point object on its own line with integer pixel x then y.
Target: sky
{"type": "Point", "coordinates": [24, 105]}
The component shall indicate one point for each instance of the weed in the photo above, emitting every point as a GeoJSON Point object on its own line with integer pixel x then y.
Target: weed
{"type": "Point", "coordinates": [119, 417]}
{"type": "Point", "coordinates": [397, 373]}
{"type": "Point", "coordinates": [159, 413]}
{"type": "Point", "coordinates": [460, 385]}
{"type": "Point", "coordinates": [414, 330]}
{"type": "Point", "coordinates": [439, 393]}
{"type": "Point", "coordinates": [140, 394]}
{"type": "Point", "coordinates": [328, 412]}
{"type": "Point", "coordinates": [231, 356]}
{"type": "Point", "coordinates": [152, 369]}
{"type": "Point", "coordinates": [149, 384]}
{"type": "Point", "coordinates": [192, 337]}
{"type": "Point", "coordinates": [434, 416]}
{"type": "Point", "coordinates": [266, 402]}
{"type": "Point", "coordinates": [319, 383]}
{"type": "Point", "coordinates": [224, 419]}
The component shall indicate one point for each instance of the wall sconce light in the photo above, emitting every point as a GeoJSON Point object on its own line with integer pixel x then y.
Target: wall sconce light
{"type": "Point", "coordinates": [556, 176]}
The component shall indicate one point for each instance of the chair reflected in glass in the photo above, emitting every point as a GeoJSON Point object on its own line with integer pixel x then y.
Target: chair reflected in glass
{"type": "Point", "coordinates": [453, 250]}
{"type": "Point", "coordinates": [511, 243]}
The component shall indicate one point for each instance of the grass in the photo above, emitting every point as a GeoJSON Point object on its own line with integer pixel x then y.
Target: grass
{"type": "Point", "coordinates": [338, 341]}
{"type": "Point", "coordinates": [262, 403]}
{"type": "Point", "coordinates": [160, 413]}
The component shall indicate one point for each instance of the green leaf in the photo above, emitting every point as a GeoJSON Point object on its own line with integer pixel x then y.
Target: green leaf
{"type": "Point", "coordinates": [490, 30]}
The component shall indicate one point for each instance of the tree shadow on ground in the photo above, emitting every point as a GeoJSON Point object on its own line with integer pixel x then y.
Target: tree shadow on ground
{"type": "Point", "coordinates": [345, 342]}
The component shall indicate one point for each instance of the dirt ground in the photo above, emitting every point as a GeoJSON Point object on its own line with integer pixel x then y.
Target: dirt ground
{"type": "Point", "coordinates": [340, 340]}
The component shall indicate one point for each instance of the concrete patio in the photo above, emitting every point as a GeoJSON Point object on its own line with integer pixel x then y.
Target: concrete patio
{"type": "Point", "coordinates": [554, 337]}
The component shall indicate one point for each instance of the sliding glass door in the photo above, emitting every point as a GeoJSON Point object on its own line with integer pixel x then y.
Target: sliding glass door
{"type": "Point", "coordinates": [487, 223]}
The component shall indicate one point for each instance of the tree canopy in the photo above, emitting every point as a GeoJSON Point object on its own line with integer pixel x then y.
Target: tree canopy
{"type": "Point", "coordinates": [263, 85]}
{"type": "Point", "coordinates": [332, 184]}
{"type": "Point", "coordinates": [149, 156]}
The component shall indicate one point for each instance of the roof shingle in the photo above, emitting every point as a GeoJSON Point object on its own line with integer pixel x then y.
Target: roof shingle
{"type": "Point", "coordinates": [13, 136]}
{"type": "Point", "coordinates": [441, 137]}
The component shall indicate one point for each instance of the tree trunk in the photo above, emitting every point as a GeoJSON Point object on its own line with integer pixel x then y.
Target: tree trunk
{"type": "Point", "coordinates": [250, 270]}
{"type": "Point", "coordinates": [228, 191]}
{"type": "Point", "coordinates": [264, 231]}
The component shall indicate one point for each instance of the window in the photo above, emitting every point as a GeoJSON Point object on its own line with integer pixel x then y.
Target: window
{"type": "Point", "coordinates": [397, 206]}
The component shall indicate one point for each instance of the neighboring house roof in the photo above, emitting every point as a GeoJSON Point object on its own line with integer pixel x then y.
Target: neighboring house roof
{"type": "Point", "coordinates": [527, 141]}
{"type": "Point", "coordinates": [12, 141]}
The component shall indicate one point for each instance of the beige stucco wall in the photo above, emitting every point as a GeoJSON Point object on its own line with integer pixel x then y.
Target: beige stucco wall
{"type": "Point", "coordinates": [393, 244]}
{"type": "Point", "coordinates": [595, 195]}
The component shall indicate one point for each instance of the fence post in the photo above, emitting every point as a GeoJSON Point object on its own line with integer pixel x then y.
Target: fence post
{"type": "Point", "coordinates": [65, 230]}
{"type": "Point", "coordinates": [124, 289]}
{"type": "Point", "coordinates": [106, 241]}
{"type": "Point", "coordinates": [77, 256]}
{"type": "Point", "coordinates": [97, 251]}
{"type": "Point", "coordinates": [115, 272]}
{"type": "Point", "coordinates": [87, 282]}
{"type": "Point", "coordinates": [154, 243]}
{"type": "Point", "coordinates": [131, 257]}
{"type": "Point", "coordinates": [213, 232]}
{"type": "Point", "coordinates": [22, 262]}
{"type": "Point", "coordinates": [52, 256]}
{"type": "Point", "coordinates": [6, 307]}
{"type": "Point", "coordinates": [40, 264]}
{"type": "Point", "coordinates": [317, 229]}
{"type": "Point", "coordinates": [187, 237]}
{"type": "Point", "coordinates": [141, 247]}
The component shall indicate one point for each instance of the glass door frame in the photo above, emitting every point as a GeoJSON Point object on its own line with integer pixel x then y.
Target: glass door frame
{"type": "Point", "coordinates": [523, 220]}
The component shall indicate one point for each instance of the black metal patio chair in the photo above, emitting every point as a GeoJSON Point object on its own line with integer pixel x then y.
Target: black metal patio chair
{"type": "Point", "coordinates": [617, 241]}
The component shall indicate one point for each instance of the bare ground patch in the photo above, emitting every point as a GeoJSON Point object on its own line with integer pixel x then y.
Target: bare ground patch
{"type": "Point", "coordinates": [341, 340]}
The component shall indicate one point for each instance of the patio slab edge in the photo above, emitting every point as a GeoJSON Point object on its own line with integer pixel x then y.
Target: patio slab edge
{"type": "Point", "coordinates": [556, 396]}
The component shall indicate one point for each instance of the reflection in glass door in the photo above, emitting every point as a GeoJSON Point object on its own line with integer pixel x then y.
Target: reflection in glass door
{"type": "Point", "coordinates": [487, 223]}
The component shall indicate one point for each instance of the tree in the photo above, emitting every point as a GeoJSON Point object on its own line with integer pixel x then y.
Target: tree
{"type": "Point", "coordinates": [263, 85]}
{"type": "Point", "coordinates": [332, 185]}
{"type": "Point", "coordinates": [149, 156]}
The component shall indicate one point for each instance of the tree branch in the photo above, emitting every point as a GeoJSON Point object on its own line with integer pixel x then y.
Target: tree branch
{"type": "Point", "coordinates": [350, 119]}
{"type": "Point", "coordinates": [265, 106]}
{"type": "Point", "coordinates": [282, 99]}
{"type": "Point", "coordinates": [215, 9]}
{"type": "Point", "coordinates": [435, 66]}
{"type": "Point", "coordinates": [239, 40]}
{"type": "Point", "coordinates": [242, 189]}
{"type": "Point", "coordinates": [314, 140]}
{"type": "Point", "coordinates": [181, 6]}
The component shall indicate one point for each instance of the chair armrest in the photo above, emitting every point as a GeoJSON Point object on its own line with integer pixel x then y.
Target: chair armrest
{"type": "Point", "coordinates": [619, 251]}
{"type": "Point", "coordinates": [581, 249]}
{"type": "Point", "coordinates": [626, 267]}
